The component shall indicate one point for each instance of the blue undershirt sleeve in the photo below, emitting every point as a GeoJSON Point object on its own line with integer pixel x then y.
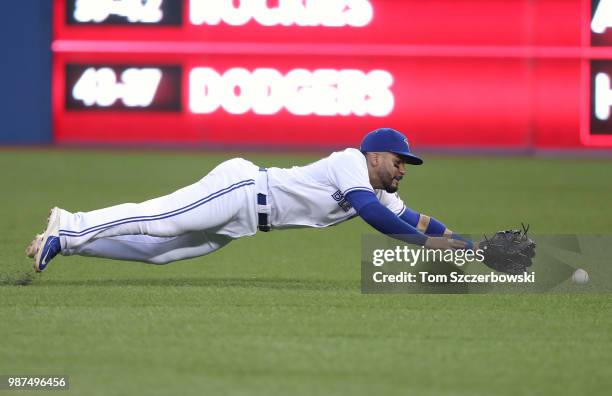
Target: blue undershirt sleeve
{"type": "Point", "coordinates": [435, 227]}
{"type": "Point", "coordinates": [410, 216]}
{"type": "Point", "coordinates": [374, 213]}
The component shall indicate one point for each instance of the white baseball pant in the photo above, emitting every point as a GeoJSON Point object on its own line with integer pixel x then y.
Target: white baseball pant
{"type": "Point", "coordinates": [191, 222]}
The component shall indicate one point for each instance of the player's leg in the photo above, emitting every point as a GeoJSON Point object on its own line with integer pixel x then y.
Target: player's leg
{"type": "Point", "coordinates": [150, 249]}
{"type": "Point", "coordinates": [208, 204]}
{"type": "Point", "coordinates": [223, 202]}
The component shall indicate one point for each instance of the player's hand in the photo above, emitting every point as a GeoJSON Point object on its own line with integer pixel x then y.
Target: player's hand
{"type": "Point", "coordinates": [444, 243]}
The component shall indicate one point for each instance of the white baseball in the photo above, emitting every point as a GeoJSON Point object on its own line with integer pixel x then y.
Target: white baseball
{"type": "Point", "coordinates": [580, 276]}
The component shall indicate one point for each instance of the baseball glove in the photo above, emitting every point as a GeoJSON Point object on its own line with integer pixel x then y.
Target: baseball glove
{"type": "Point", "coordinates": [509, 251]}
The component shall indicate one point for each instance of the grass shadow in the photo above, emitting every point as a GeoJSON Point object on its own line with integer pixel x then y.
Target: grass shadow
{"type": "Point", "coordinates": [18, 278]}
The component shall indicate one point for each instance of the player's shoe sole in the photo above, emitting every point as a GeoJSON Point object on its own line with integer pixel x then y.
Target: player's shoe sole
{"type": "Point", "coordinates": [49, 244]}
{"type": "Point", "coordinates": [34, 246]}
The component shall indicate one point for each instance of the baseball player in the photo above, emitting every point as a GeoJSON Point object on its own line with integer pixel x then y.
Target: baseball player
{"type": "Point", "coordinates": [238, 198]}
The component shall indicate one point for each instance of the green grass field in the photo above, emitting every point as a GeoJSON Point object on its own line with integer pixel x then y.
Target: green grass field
{"type": "Point", "coordinates": [282, 313]}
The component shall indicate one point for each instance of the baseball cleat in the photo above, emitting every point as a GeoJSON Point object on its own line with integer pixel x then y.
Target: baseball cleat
{"type": "Point", "coordinates": [49, 245]}
{"type": "Point", "coordinates": [34, 246]}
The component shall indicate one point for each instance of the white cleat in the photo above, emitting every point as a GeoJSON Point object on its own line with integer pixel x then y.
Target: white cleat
{"type": "Point", "coordinates": [34, 246]}
{"type": "Point", "coordinates": [49, 245]}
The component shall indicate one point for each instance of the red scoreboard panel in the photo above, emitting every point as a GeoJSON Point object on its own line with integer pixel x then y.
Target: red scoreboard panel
{"type": "Point", "coordinates": [510, 74]}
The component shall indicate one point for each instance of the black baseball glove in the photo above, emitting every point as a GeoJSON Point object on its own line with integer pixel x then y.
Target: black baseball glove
{"type": "Point", "coordinates": [509, 251]}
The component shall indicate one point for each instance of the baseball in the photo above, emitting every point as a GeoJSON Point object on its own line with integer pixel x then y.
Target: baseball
{"type": "Point", "coordinates": [580, 276]}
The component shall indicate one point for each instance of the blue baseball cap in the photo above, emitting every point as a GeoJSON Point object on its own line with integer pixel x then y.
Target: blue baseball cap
{"type": "Point", "coordinates": [389, 140]}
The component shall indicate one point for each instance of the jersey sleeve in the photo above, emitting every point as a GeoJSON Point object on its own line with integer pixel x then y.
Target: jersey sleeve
{"type": "Point", "coordinates": [392, 201]}
{"type": "Point", "coordinates": [348, 171]}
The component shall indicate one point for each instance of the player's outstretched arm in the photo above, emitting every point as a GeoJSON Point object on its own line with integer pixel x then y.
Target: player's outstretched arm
{"type": "Point", "coordinates": [431, 226]}
{"type": "Point", "coordinates": [370, 209]}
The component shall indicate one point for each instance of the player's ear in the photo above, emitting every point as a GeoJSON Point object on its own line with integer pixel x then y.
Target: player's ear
{"type": "Point", "coordinates": [373, 159]}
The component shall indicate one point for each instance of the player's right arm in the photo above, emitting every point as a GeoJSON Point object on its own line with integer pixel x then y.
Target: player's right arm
{"type": "Point", "coordinates": [430, 226]}
{"type": "Point", "coordinates": [427, 225]}
{"type": "Point", "coordinates": [348, 172]}
{"type": "Point", "coordinates": [374, 213]}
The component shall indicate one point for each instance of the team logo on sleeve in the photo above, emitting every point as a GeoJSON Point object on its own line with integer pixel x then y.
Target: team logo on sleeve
{"type": "Point", "coordinates": [342, 202]}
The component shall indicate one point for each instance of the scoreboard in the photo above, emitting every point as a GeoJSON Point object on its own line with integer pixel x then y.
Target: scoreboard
{"type": "Point", "coordinates": [505, 74]}
{"type": "Point", "coordinates": [596, 123]}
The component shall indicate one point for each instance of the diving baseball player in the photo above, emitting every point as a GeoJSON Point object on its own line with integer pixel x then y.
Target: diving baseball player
{"type": "Point", "coordinates": [238, 198]}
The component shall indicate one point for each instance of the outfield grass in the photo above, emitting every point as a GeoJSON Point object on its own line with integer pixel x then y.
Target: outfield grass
{"type": "Point", "coordinates": [282, 313]}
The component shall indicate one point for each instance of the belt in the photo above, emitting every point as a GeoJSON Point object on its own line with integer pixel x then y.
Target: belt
{"type": "Point", "coordinates": [263, 208]}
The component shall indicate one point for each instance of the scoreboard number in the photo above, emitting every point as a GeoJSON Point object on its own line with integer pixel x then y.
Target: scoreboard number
{"type": "Point", "coordinates": [135, 87]}
{"type": "Point", "coordinates": [108, 87]}
{"type": "Point", "coordinates": [600, 122]}
{"type": "Point", "coordinates": [602, 17]}
{"type": "Point", "coordinates": [124, 12]}
{"type": "Point", "coordinates": [146, 11]}
{"type": "Point", "coordinates": [603, 96]}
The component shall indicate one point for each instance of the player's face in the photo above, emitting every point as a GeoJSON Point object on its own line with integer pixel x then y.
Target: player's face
{"type": "Point", "coordinates": [392, 170]}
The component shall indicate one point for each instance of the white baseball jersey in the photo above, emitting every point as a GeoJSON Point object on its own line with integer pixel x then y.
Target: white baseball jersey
{"type": "Point", "coordinates": [201, 218]}
{"type": "Point", "coordinates": [314, 195]}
